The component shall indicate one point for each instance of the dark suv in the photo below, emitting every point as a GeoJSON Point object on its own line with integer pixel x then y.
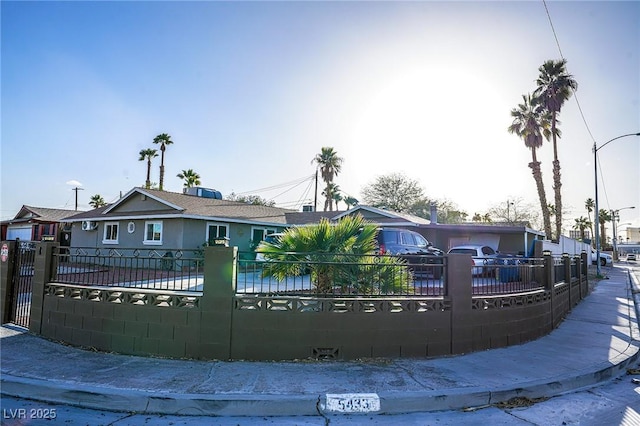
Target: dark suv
{"type": "Point", "coordinates": [413, 247]}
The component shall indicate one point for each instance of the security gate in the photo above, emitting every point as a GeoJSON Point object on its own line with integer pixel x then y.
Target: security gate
{"type": "Point", "coordinates": [22, 284]}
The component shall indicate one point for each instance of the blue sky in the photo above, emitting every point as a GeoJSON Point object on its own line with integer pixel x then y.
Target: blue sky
{"type": "Point", "coordinates": [250, 92]}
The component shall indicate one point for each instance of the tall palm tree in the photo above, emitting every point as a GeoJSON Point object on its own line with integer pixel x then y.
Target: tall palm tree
{"type": "Point", "coordinates": [163, 139]}
{"type": "Point", "coordinates": [330, 165]}
{"type": "Point", "coordinates": [97, 201]}
{"type": "Point", "coordinates": [148, 154]}
{"type": "Point", "coordinates": [531, 123]}
{"type": "Point", "coordinates": [555, 87]}
{"type": "Point", "coordinates": [190, 177]}
{"type": "Point", "coordinates": [603, 217]}
{"type": "Point", "coordinates": [581, 224]}
{"type": "Point", "coordinates": [590, 205]}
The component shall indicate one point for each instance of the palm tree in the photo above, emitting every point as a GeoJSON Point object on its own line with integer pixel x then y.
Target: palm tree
{"type": "Point", "coordinates": [589, 204]}
{"type": "Point", "coordinates": [330, 165]}
{"type": "Point", "coordinates": [350, 201]}
{"type": "Point", "coordinates": [555, 87]}
{"type": "Point", "coordinates": [531, 123]}
{"type": "Point", "coordinates": [163, 139]}
{"type": "Point", "coordinates": [148, 154]}
{"type": "Point", "coordinates": [190, 177]}
{"type": "Point", "coordinates": [339, 256]}
{"type": "Point", "coordinates": [603, 217]}
{"type": "Point", "coordinates": [331, 194]}
{"type": "Point", "coordinates": [581, 224]}
{"type": "Point", "coordinates": [97, 201]}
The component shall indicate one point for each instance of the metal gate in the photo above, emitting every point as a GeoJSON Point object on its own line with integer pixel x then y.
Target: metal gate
{"type": "Point", "coordinates": [22, 284]}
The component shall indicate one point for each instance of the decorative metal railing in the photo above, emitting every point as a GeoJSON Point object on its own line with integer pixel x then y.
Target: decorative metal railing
{"type": "Point", "coordinates": [341, 275]}
{"type": "Point", "coordinates": [158, 269]}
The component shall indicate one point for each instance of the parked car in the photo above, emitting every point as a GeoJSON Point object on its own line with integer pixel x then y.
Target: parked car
{"type": "Point", "coordinates": [270, 238]}
{"type": "Point", "coordinates": [605, 259]}
{"type": "Point", "coordinates": [419, 253]}
{"type": "Point", "coordinates": [483, 257]}
{"type": "Point", "coordinates": [631, 257]}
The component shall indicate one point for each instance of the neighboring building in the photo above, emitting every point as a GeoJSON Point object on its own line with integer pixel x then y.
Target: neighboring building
{"type": "Point", "coordinates": [37, 224]}
{"type": "Point", "coordinates": [510, 239]}
{"type": "Point", "coordinates": [633, 235]}
{"type": "Point", "coordinates": [144, 218]}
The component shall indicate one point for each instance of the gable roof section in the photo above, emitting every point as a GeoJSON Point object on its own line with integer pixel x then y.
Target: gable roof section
{"type": "Point", "coordinates": [306, 218]}
{"type": "Point", "coordinates": [41, 214]}
{"type": "Point", "coordinates": [381, 216]}
{"type": "Point", "coordinates": [190, 206]}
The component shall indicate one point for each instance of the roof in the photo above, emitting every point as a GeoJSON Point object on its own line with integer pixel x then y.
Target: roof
{"type": "Point", "coordinates": [189, 206]}
{"type": "Point", "coordinates": [40, 214]}
{"type": "Point", "coordinates": [386, 216]}
{"type": "Point", "coordinates": [306, 218]}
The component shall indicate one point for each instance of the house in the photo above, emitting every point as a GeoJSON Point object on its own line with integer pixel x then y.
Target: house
{"type": "Point", "coordinates": [144, 218]}
{"type": "Point", "coordinates": [38, 223]}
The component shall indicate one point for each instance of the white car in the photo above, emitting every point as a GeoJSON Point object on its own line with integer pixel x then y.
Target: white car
{"type": "Point", "coordinates": [482, 256]}
{"type": "Point", "coordinates": [605, 259]}
{"type": "Point", "coordinates": [631, 257]}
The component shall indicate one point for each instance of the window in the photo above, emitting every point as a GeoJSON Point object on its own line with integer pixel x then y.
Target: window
{"type": "Point", "coordinates": [110, 233]}
{"type": "Point", "coordinates": [258, 234]}
{"type": "Point", "coordinates": [215, 231]}
{"type": "Point", "coordinates": [152, 233]}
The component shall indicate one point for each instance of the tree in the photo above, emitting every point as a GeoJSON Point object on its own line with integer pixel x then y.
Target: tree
{"type": "Point", "coordinates": [393, 192]}
{"type": "Point", "coordinates": [350, 202]}
{"type": "Point", "coordinates": [603, 217]}
{"type": "Point", "coordinates": [331, 194]}
{"type": "Point", "coordinates": [581, 224]}
{"type": "Point", "coordinates": [555, 87]}
{"type": "Point", "coordinates": [338, 256]}
{"type": "Point", "coordinates": [251, 199]}
{"type": "Point", "coordinates": [514, 211]}
{"type": "Point", "coordinates": [163, 139]}
{"type": "Point", "coordinates": [531, 123]}
{"type": "Point", "coordinates": [190, 178]}
{"type": "Point", "coordinates": [330, 165]}
{"type": "Point", "coordinates": [590, 205]}
{"type": "Point", "coordinates": [97, 201]}
{"type": "Point", "coordinates": [148, 154]}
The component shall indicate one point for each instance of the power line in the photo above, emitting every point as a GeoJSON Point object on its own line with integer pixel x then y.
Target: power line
{"type": "Point", "coordinates": [584, 120]}
{"type": "Point", "coordinates": [278, 186]}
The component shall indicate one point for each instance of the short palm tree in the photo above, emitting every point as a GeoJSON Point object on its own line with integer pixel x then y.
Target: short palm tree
{"type": "Point", "coordinates": [97, 201]}
{"type": "Point", "coordinates": [190, 178]}
{"type": "Point", "coordinates": [581, 224]}
{"type": "Point", "coordinates": [531, 123]}
{"type": "Point", "coordinates": [555, 87]}
{"type": "Point", "coordinates": [603, 217]}
{"type": "Point", "coordinates": [350, 201]}
{"type": "Point", "coordinates": [330, 165]}
{"type": "Point", "coordinates": [338, 255]}
{"type": "Point", "coordinates": [590, 205]}
{"type": "Point", "coordinates": [163, 139]}
{"type": "Point", "coordinates": [148, 154]}
{"type": "Point", "coordinates": [331, 194]}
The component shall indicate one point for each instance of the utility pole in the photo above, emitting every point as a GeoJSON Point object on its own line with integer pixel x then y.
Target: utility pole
{"type": "Point", "coordinates": [76, 189]}
{"type": "Point", "coordinates": [315, 200]}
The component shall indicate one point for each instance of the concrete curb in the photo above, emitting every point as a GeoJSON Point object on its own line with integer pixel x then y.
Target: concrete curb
{"type": "Point", "coordinates": [141, 401]}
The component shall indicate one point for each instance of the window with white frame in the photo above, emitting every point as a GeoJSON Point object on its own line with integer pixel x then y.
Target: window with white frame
{"type": "Point", "coordinates": [216, 230]}
{"type": "Point", "coordinates": [110, 233]}
{"type": "Point", "coordinates": [258, 234]}
{"type": "Point", "coordinates": [152, 233]}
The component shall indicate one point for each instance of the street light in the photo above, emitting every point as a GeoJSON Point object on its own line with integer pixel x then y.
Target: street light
{"type": "Point", "coordinates": [595, 168]}
{"type": "Point", "coordinates": [615, 216]}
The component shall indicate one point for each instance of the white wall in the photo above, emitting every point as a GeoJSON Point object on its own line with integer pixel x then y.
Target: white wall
{"type": "Point", "coordinates": [566, 245]}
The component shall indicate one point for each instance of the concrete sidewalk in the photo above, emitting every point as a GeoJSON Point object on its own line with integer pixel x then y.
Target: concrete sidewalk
{"type": "Point", "coordinates": [599, 339]}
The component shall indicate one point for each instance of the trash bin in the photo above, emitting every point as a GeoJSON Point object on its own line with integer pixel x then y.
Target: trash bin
{"type": "Point", "coordinates": [508, 270]}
